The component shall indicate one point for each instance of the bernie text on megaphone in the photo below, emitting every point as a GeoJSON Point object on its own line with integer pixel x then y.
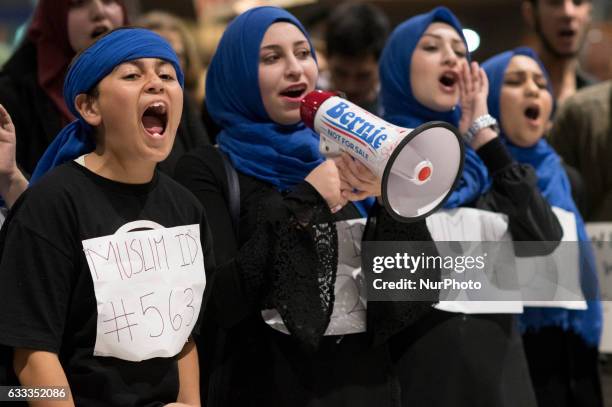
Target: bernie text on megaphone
{"type": "Point", "coordinates": [418, 167]}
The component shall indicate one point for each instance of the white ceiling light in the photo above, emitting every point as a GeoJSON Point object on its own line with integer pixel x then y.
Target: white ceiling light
{"type": "Point", "coordinates": [472, 38]}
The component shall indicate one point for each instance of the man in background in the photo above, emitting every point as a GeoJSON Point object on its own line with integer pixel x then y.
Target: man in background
{"type": "Point", "coordinates": [355, 36]}
{"type": "Point", "coordinates": [561, 27]}
{"type": "Point", "coordinates": [582, 135]}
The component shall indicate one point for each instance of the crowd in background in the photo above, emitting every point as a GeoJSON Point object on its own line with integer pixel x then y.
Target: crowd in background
{"type": "Point", "coordinates": [235, 160]}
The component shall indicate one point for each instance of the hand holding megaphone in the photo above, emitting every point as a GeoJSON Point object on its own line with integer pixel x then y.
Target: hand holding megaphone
{"type": "Point", "coordinates": [418, 167]}
{"type": "Point", "coordinates": [357, 182]}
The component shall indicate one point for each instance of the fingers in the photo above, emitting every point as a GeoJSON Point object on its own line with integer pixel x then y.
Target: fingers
{"type": "Point", "coordinates": [347, 173]}
{"type": "Point", "coordinates": [5, 119]}
{"type": "Point", "coordinates": [355, 195]}
{"type": "Point", "coordinates": [355, 173]}
{"type": "Point", "coordinates": [466, 78]}
{"type": "Point", "coordinates": [357, 181]}
{"type": "Point", "coordinates": [361, 172]}
{"type": "Point", "coordinates": [484, 80]}
{"type": "Point", "coordinates": [463, 93]}
{"type": "Point", "coordinates": [341, 204]}
{"type": "Point", "coordinates": [344, 184]}
{"type": "Point", "coordinates": [475, 77]}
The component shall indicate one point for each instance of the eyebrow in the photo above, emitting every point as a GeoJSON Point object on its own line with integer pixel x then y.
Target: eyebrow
{"type": "Point", "coordinates": [524, 72]}
{"type": "Point", "coordinates": [276, 46]}
{"type": "Point", "coordinates": [140, 65]}
{"type": "Point", "coordinates": [439, 37]}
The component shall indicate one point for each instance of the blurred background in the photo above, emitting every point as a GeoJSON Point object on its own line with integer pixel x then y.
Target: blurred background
{"type": "Point", "coordinates": [495, 24]}
{"type": "Point", "coordinates": [491, 26]}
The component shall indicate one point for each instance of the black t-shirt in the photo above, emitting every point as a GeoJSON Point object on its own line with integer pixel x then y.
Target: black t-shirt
{"type": "Point", "coordinates": [51, 300]}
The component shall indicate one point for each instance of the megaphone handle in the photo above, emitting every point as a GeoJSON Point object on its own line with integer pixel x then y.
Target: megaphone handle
{"type": "Point", "coordinates": [328, 148]}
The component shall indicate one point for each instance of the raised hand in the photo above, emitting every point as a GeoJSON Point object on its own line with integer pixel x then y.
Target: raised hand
{"type": "Point", "coordinates": [12, 181]}
{"type": "Point", "coordinates": [474, 89]}
{"type": "Point", "coordinates": [7, 144]}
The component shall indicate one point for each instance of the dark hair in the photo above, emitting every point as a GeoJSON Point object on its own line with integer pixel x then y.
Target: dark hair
{"type": "Point", "coordinates": [356, 29]}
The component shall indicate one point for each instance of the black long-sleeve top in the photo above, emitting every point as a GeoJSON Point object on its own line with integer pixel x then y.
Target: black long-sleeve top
{"type": "Point", "coordinates": [286, 254]}
{"type": "Point", "coordinates": [281, 241]}
{"type": "Point", "coordinates": [515, 193]}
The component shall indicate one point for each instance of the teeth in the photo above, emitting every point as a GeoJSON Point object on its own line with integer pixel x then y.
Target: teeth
{"type": "Point", "coordinates": [159, 107]}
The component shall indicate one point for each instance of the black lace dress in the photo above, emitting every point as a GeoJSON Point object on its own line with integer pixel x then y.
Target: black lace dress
{"type": "Point", "coordinates": [285, 259]}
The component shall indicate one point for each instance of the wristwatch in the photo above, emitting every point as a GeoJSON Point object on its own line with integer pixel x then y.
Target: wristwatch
{"type": "Point", "coordinates": [481, 122]}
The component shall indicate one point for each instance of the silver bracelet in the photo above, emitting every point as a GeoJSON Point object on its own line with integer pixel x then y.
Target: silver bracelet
{"type": "Point", "coordinates": [481, 122]}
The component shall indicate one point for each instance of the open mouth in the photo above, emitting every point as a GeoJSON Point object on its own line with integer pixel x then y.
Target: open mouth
{"type": "Point", "coordinates": [449, 79]}
{"type": "Point", "coordinates": [568, 33]}
{"type": "Point", "coordinates": [155, 119]}
{"type": "Point", "coordinates": [99, 30]}
{"type": "Point", "coordinates": [294, 92]}
{"type": "Point", "coordinates": [532, 112]}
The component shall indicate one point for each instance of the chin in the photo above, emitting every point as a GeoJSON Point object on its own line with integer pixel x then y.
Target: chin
{"type": "Point", "coordinates": [156, 154]}
{"type": "Point", "coordinates": [288, 119]}
{"type": "Point", "coordinates": [526, 141]}
{"type": "Point", "coordinates": [444, 106]}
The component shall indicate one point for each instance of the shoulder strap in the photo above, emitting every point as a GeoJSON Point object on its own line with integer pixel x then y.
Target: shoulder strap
{"type": "Point", "coordinates": [233, 189]}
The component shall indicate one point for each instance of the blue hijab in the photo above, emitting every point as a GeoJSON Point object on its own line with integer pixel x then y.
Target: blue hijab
{"type": "Point", "coordinates": [277, 154]}
{"type": "Point", "coordinates": [401, 107]}
{"type": "Point", "coordinates": [555, 187]}
{"type": "Point", "coordinates": [92, 65]}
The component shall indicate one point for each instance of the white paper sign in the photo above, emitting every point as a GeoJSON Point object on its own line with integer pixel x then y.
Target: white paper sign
{"type": "Point", "coordinates": [600, 234]}
{"type": "Point", "coordinates": [475, 225]}
{"type": "Point", "coordinates": [148, 286]}
{"type": "Point", "coordinates": [554, 278]}
{"type": "Point", "coordinates": [350, 291]}
{"type": "Point", "coordinates": [3, 213]}
{"type": "Point", "coordinates": [349, 314]}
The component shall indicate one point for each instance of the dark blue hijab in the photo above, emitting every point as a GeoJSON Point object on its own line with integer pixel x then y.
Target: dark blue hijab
{"type": "Point", "coordinates": [555, 187]}
{"type": "Point", "coordinates": [92, 65]}
{"type": "Point", "coordinates": [277, 154]}
{"type": "Point", "coordinates": [401, 107]}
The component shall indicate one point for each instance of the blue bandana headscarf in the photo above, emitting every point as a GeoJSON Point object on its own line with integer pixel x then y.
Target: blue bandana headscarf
{"type": "Point", "coordinates": [555, 187]}
{"type": "Point", "coordinates": [401, 107]}
{"type": "Point", "coordinates": [97, 61]}
{"type": "Point", "coordinates": [280, 155]}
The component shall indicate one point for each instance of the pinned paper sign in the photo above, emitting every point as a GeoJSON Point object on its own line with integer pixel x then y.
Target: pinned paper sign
{"type": "Point", "coordinates": [600, 234]}
{"type": "Point", "coordinates": [148, 286]}
{"type": "Point", "coordinates": [554, 280]}
{"type": "Point", "coordinates": [349, 312]}
{"type": "Point", "coordinates": [469, 228]}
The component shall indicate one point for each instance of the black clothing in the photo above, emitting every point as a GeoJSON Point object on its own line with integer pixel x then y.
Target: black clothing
{"type": "Point", "coordinates": [583, 79]}
{"type": "Point", "coordinates": [470, 360]}
{"type": "Point", "coordinates": [277, 266]}
{"type": "Point", "coordinates": [259, 366]}
{"type": "Point", "coordinates": [578, 188]}
{"type": "Point", "coordinates": [515, 193]}
{"type": "Point", "coordinates": [37, 120]}
{"type": "Point", "coordinates": [48, 287]}
{"type": "Point", "coordinates": [212, 128]}
{"type": "Point", "coordinates": [189, 135]}
{"type": "Point", "coordinates": [563, 368]}
{"type": "Point", "coordinates": [464, 360]}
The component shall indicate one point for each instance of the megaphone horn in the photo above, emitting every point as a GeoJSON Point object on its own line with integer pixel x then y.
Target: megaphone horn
{"type": "Point", "coordinates": [418, 167]}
